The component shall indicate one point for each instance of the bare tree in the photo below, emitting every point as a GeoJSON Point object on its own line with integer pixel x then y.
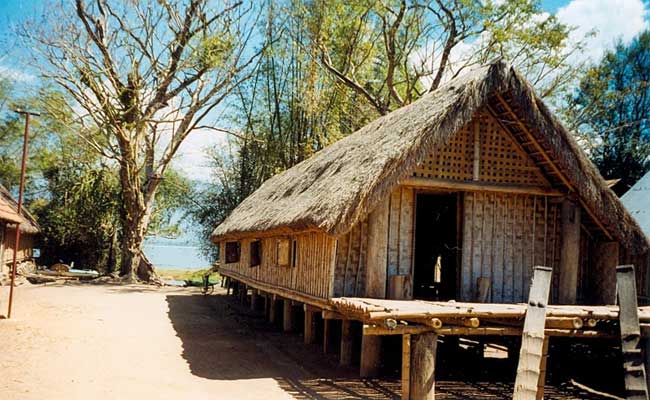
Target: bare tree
{"type": "Point", "coordinates": [145, 74]}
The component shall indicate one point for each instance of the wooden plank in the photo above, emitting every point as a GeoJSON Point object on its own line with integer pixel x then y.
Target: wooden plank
{"type": "Point", "coordinates": [406, 367]}
{"type": "Point", "coordinates": [497, 255]}
{"type": "Point", "coordinates": [352, 266]}
{"type": "Point", "coordinates": [398, 287]}
{"type": "Point", "coordinates": [406, 228]}
{"type": "Point", "coordinates": [466, 281]}
{"type": "Point", "coordinates": [570, 253]}
{"type": "Point", "coordinates": [602, 279]}
{"type": "Point", "coordinates": [377, 261]}
{"type": "Point", "coordinates": [370, 356]}
{"type": "Point", "coordinates": [362, 267]}
{"type": "Point", "coordinates": [476, 159]}
{"type": "Point", "coordinates": [393, 232]}
{"type": "Point", "coordinates": [532, 339]}
{"type": "Point", "coordinates": [345, 354]}
{"type": "Point", "coordinates": [477, 241]}
{"type": "Point", "coordinates": [423, 366]}
{"type": "Point", "coordinates": [485, 187]}
{"type": "Point", "coordinates": [633, 365]}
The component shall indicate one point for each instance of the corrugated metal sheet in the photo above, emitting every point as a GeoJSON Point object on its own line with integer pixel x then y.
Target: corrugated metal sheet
{"type": "Point", "coordinates": [637, 201]}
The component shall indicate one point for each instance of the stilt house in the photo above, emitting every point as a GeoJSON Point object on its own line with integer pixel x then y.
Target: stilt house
{"type": "Point", "coordinates": [9, 220]}
{"type": "Point", "coordinates": [453, 197]}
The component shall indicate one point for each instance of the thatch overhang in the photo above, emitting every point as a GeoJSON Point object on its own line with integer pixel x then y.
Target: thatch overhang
{"type": "Point", "coordinates": [341, 184]}
{"type": "Point", "coordinates": [9, 213]}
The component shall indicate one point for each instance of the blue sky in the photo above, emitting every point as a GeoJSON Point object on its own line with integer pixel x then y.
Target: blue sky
{"type": "Point", "coordinates": [612, 19]}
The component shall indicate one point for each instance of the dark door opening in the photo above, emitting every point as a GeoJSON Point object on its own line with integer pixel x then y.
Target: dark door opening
{"type": "Point", "coordinates": [436, 246]}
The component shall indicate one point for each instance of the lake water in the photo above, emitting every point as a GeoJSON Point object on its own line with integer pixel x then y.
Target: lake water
{"type": "Point", "coordinates": [165, 256]}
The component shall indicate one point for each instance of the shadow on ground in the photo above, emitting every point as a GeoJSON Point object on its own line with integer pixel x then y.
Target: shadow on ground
{"type": "Point", "coordinates": [224, 341]}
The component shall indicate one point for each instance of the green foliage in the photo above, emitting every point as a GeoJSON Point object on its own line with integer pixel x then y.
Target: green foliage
{"type": "Point", "coordinates": [610, 110]}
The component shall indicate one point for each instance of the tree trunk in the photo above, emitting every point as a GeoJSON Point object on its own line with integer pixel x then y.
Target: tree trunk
{"type": "Point", "coordinates": [135, 220]}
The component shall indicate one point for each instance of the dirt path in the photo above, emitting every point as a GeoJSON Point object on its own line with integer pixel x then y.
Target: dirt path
{"type": "Point", "coordinates": [134, 342]}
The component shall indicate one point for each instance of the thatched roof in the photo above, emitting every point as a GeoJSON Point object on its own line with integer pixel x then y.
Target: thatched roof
{"type": "Point", "coordinates": [340, 184]}
{"type": "Point", "coordinates": [9, 213]}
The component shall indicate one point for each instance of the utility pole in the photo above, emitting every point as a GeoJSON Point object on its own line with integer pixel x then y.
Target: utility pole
{"type": "Point", "coordinates": [21, 190]}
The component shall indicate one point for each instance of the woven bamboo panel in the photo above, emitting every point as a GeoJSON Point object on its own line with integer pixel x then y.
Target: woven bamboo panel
{"type": "Point", "coordinates": [453, 162]}
{"type": "Point", "coordinates": [501, 159]}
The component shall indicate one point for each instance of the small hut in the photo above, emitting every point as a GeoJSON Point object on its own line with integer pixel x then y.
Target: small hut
{"type": "Point", "coordinates": [411, 222]}
{"type": "Point", "coordinates": [9, 219]}
{"type": "Point", "coordinates": [454, 197]}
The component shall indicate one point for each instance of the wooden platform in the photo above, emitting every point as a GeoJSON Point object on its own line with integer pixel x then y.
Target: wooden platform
{"type": "Point", "coordinates": [386, 317]}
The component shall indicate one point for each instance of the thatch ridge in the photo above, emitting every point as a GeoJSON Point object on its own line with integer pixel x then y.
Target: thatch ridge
{"type": "Point", "coordinates": [9, 213]}
{"type": "Point", "coordinates": [340, 184]}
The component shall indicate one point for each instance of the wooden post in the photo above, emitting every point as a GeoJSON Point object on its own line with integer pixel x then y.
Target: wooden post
{"type": "Point", "coordinates": [243, 294]}
{"type": "Point", "coordinates": [345, 358]}
{"type": "Point", "coordinates": [476, 172]}
{"type": "Point", "coordinates": [377, 251]}
{"type": "Point", "coordinates": [370, 356]}
{"type": "Point", "coordinates": [254, 298]}
{"type": "Point", "coordinates": [266, 305]}
{"type": "Point", "coordinates": [602, 280]}
{"type": "Point", "coordinates": [273, 309]}
{"type": "Point", "coordinates": [326, 335]}
{"type": "Point", "coordinates": [406, 367]}
{"type": "Point", "coordinates": [532, 338]}
{"type": "Point", "coordinates": [570, 252]}
{"type": "Point", "coordinates": [310, 325]}
{"type": "Point", "coordinates": [635, 375]}
{"type": "Point", "coordinates": [423, 366]}
{"type": "Point", "coordinates": [287, 316]}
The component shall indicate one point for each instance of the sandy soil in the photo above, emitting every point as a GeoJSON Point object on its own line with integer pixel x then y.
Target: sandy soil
{"type": "Point", "coordinates": [135, 342]}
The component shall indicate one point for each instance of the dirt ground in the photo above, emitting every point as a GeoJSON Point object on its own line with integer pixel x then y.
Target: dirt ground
{"type": "Point", "coordinates": [82, 341]}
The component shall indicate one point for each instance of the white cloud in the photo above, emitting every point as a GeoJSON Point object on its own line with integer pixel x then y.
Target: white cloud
{"type": "Point", "coordinates": [16, 74]}
{"type": "Point", "coordinates": [192, 158]}
{"type": "Point", "coordinates": [611, 19]}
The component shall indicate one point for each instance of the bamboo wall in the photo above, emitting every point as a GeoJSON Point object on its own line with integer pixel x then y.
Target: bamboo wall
{"type": "Point", "coordinates": [504, 236]}
{"type": "Point", "coordinates": [350, 275]}
{"type": "Point", "coordinates": [311, 275]}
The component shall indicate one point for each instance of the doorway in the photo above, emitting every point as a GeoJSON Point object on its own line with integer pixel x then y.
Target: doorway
{"type": "Point", "coordinates": [436, 246]}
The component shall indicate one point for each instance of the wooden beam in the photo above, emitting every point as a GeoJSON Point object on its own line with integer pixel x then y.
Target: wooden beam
{"type": "Point", "coordinates": [328, 314]}
{"type": "Point", "coordinates": [345, 358]}
{"type": "Point", "coordinates": [279, 291]}
{"type": "Point", "coordinates": [603, 276]}
{"type": "Point", "coordinates": [482, 331]}
{"type": "Point", "coordinates": [633, 365]}
{"type": "Point", "coordinates": [370, 356]}
{"type": "Point", "coordinates": [532, 339]}
{"type": "Point", "coordinates": [406, 367]}
{"type": "Point", "coordinates": [423, 366]}
{"type": "Point", "coordinates": [534, 141]}
{"type": "Point", "coordinates": [570, 252]}
{"type": "Point", "coordinates": [443, 184]}
{"type": "Point", "coordinates": [377, 263]}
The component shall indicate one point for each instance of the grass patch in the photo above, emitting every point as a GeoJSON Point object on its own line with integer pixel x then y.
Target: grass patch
{"type": "Point", "coordinates": [192, 277]}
